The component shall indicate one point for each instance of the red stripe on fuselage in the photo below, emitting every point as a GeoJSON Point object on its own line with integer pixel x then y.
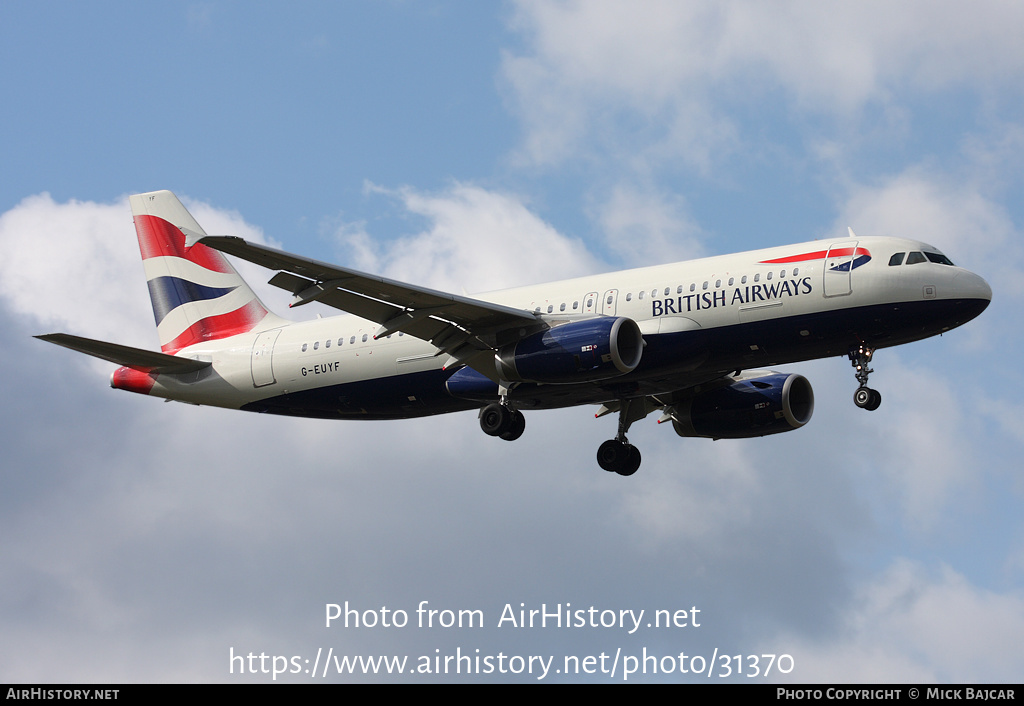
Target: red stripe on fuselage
{"type": "Point", "coordinates": [819, 255]}
{"type": "Point", "coordinates": [159, 238]}
{"type": "Point", "coordinates": [211, 328]}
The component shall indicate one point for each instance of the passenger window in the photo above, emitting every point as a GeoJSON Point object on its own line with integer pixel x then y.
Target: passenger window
{"type": "Point", "coordinates": [731, 280]}
{"type": "Point", "coordinates": [352, 340]}
{"type": "Point", "coordinates": [705, 285]}
{"type": "Point", "coordinates": [609, 299]}
{"type": "Point", "coordinates": [340, 341]}
{"type": "Point", "coordinates": [896, 260]}
{"type": "Point", "coordinates": [327, 344]}
{"type": "Point", "coordinates": [718, 283]}
{"type": "Point", "coordinates": [757, 277]}
{"type": "Point", "coordinates": [796, 271]}
{"type": "Point", "coordinates": [629, 297]}
{"type": "Point", "coordinates": [316, 345]}
{"type": "Point", "coordinates": [654, 293]}
{"type": "Point", "coordinates": [782, 274]}
{"type": "Point", "coordinates": [915, 257]}
{"type": "Point", "coordinates": [668, 290]}
{"type": "Point", "coordinates": [575, 305]}
{"type": "Point", "coordinates": [679, 289]}
{"type": "Point", "coordinates": [304, 346]}
{"type": "Point", "coordinates": [693, 287]}
{"type": "Point", "coordinates": [551, 307]}
{"type": "Point", "coordinates": [743, 279]}
{"type": "Point", "coordinates": [640, 295]}
{"type": "Point", "coordinates": [562, 307]}
{"type": "Point", "coordinates": [364, 338]}
{"type": "Point", "coordinates": [590, 303]}
{"type": "Point", "coordinates": [769, 275]}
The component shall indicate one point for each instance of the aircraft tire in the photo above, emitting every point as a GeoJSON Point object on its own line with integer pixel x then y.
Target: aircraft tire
{"type": "Point", "coordinates": [874, 402]}
{"type": "Point", "coordinates": [610, 455]}
{"type": "Point", "coordinates": [868, 399]}
{"type": "Point", "coordinates": [496, 419]}
{"type": "Point", "coordinates": [615, 456]}
{"type": "Point", "coordinates": [862, 397]}
{"type": "Point", "coordinates": [631, 463]}
{"type": "Point", "coordinates": [518, 427]}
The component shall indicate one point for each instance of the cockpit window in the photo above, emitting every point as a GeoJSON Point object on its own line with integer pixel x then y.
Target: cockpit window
{"type": "Point", "coordinates": [915, 257]}
{"type": "Point", "coordinates": [896, 259]}
{"type": "Point", "coordinates": [938, 258]}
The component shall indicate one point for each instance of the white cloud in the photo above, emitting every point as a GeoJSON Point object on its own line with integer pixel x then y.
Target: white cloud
{"type": "Point", "coordinates": [909, 625]}
{"type": "Point", "coordinates": [688, 504]}
{"type": "Point", "coordinates": [477, 241]}
{"type": "Point", "coordinates": [647, 228]}
{"type": "Point", "coordinates": [76, 267]}
{"type": "Point", "coordinates": [927, 460]}
{"type": "Point", "coordinates": [591, 67]}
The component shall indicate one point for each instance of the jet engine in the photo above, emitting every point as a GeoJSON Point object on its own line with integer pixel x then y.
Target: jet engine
{"type": "Point", "coordinates": [579, 351]}
{"type": "Point", "coordinates": [758, 405]}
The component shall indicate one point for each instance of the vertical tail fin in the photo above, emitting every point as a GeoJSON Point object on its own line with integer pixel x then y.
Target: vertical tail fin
{"type": "Point", "coordinates": [197, 295]}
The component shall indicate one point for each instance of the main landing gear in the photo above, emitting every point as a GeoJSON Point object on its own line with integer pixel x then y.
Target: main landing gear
{"type": "Point", "coordinates": [864, 397]}
{"type": "Point", "coordinates": [500, 420]}
{"type": "Point", "coordinates": [618, 455]}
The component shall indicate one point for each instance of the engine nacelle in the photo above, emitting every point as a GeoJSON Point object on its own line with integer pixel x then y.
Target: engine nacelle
{"type": "Point", "coordinates": [755, 406]}
{"type": "Point", "coordinates": [579, 351]}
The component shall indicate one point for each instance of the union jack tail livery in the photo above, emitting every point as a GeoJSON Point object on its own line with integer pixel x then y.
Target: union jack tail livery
{"type": "Point", "coordinates": [197, 295]}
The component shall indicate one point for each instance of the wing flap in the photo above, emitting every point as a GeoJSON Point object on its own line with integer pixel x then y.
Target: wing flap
{"type": "Point", "coordinates": [136, 358]}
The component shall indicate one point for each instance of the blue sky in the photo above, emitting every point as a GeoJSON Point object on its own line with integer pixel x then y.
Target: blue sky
{"type": "Point", "coordinates": [474, 145]}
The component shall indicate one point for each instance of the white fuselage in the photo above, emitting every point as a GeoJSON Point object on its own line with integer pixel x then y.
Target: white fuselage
{"type": "Point", "coordinates": [698, 318]}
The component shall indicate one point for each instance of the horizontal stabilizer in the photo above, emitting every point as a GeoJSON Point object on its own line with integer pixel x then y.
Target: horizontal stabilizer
{"type": "Point", "coordinates": [137, 358]}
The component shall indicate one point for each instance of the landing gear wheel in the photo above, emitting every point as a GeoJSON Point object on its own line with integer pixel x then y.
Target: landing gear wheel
{"type": "Point", "coordinates": [503, 422]}
{"type": "Point", "coordinates": [610, 455]}
{"type": "Point", "coordinates": [618, 457]}
{"type": "Point", "coordinates": [518, 427]}
{"type": "Point", "coordinates": [632, 462]}
{"type": "Point", "coordinates": [876, 401]}
{"type": "Point", "coordinates": [864, 397]}
{"type": "Point", "coordinates": [496, 419]}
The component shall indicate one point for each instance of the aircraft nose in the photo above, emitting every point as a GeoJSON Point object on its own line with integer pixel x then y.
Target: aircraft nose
{"type": "Point", "coordinates": [968, 285]}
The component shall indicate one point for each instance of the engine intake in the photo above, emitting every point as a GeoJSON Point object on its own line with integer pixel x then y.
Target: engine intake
{"type": "Point", "coordinates": [579, 351]}
{"type": "Point", "coordinates": [755, 406]}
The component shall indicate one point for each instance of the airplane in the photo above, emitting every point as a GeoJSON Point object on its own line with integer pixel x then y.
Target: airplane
{"type": "Point", "coordinates": [689, 340]}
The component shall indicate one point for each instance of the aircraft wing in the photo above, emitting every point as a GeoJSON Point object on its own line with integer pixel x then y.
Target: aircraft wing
{"type": "Point", "coordinates": [137, 358]}
{"type": "Point", "coordinates": [466, 329]}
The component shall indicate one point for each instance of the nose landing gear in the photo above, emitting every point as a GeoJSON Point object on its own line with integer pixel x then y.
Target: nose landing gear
{"type": "Point", "coordinates": [864, 397]}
